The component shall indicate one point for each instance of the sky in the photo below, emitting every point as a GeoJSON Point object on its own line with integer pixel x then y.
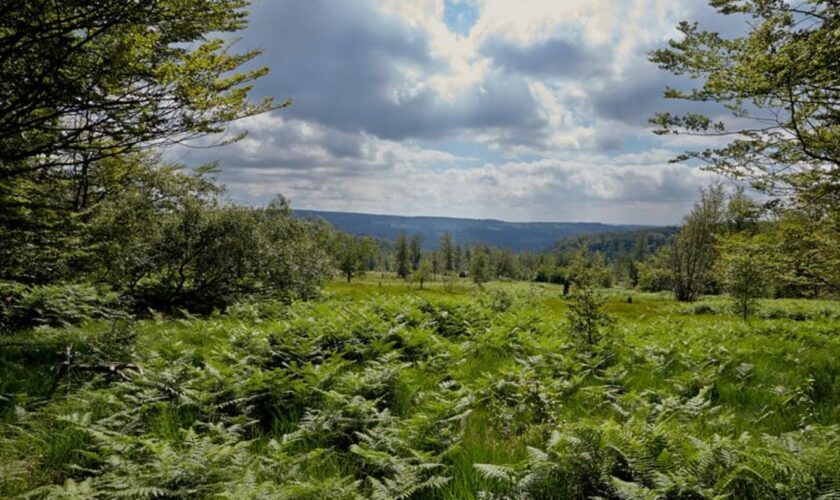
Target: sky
{"type": "Point", "coordinates": [519, 110]}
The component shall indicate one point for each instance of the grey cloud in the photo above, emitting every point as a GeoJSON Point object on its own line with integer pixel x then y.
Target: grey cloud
{"type": "Point", "coordinates": [555, 57]}
{"type": "Point", "coordinates": [349, 142]}
{"type": "Point", "coordinates": [342, 64]}
{"type": "Point", "coordinates": [636, 96]}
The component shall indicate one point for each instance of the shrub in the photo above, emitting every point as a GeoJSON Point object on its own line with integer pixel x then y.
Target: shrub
{"type": "Point", "coordinates": [209, 257]}
{"type": "Point", "coordinates": [58, 304]}
{"type": "Point", "coordinates": [497, 300]}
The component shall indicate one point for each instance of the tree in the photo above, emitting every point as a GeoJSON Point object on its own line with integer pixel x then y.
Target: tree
{"type": "Point", "coordinates": [692, 254]}
{"type": "Point", "coordinates": [585, 316]}
{"type": "Point", "coordinates": [204, 255]}
{"type": "Point", "coordinates": [742, 213]}
{"type": "Point", "coordinates": [352, 254]}
{"type": "Point", "coordinates": [480, 267]}
{"type": "Point", "coordinates": [435, 258]}
{"type": "Point", "coordinates": [805, 247]}
{"type": "Point", "coordinates": [458, 258]}
{"type": "Point", "coordinates": [506, 265]}
{"type": "Point", "coordinates": [781, 81]}
{"type": "Point", "coordinates": [81, 80]}
{"type": "Point", "coordinates": [87, 89]}
{"type": "Point", "coordinates": [637, 257]}
{"type": "Point", "coordinates": [415, 250]}
{"type": "Point", "coordinates": [655, 273]}
{"type": "Point", "coordinates": [401, 256]}
{"type": "Point", "coordinates": [447, 252]}
{"type": "Point", "coordinates": [423, 273]}
{"type": "Point", "coordinates": [745, 268]}
{"type": "Point", "coordinates": [586, 269]}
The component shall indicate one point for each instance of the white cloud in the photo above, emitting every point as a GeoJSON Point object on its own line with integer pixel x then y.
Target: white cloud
{"type": "Point", "coordinates": [537, 91]}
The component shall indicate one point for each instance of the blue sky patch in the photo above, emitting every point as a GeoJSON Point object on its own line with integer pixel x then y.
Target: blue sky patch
{"type": "Point", "coordinates": [460, 15]}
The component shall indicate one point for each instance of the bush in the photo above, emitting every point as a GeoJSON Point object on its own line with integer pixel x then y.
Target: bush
{"type": "Point", "coordinates": [206, 258]}
{"type": "Point", "coordinates": [58, 304]}
{"type": "Point", "coordinates": [653, 277]}
{"type": "Point", "coordinates": [497, 300]}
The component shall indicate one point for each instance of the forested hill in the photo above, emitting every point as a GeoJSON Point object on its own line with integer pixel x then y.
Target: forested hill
{"type": "Point", "coordinates": [519, 236]}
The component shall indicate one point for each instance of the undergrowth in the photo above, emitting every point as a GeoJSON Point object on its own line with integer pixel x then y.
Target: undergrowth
{"type": "Point", "coordinates": [383, 392]}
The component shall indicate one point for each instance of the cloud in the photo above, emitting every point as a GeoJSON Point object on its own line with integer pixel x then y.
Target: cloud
{"type": "Point", "coordinates": [353, 66]}
{"type": "Point", "coordinates": [551, 100]}
{"type": "Point", "coordinates": [385, 176]}
{"type": "Point", "coordinates": [554, 57]}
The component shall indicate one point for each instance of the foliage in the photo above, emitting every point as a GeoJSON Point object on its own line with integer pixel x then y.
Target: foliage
{"type": "Point", "coordinates": [805, 247]}
{"type": "Point", "coordinates": [351, 254]}
{"type": "Point", "coordinates": [206, 256]}
{"type": "Point", "coordinates": [84, 196]}
{"type": "Point", "coordinates": [585, 316]}
{"type": "Point", "coordinates": [780, 82]}
{"type": "Point", "coordinates": [401, 256]}
{"type": "Point", "coordinates": [654, 275]}
{"type": "Point", "coordinates": [166, 240]}
{"type": "Point", "coordinates": [691, 257]}
{"type": "Point", "coordinates": [423, 273]}
{"type": "Point", "coordinates": [58, 304]}
{"type": "Point", "coordinates": [480, 268]}
{"type": "Point", "coordinates": [76, 132]}
{"type": "Point", "coordinates": [170, 76]}
{"type": "Point", "coordinates": [384, 392]}
{"type": "Point", "coordinates": [745, 268]}
{"type": "Point", "coordinates": [415, 251]}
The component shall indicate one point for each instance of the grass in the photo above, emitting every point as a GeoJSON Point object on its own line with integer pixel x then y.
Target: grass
{"type": "Point", "coordinates": [383, 388]}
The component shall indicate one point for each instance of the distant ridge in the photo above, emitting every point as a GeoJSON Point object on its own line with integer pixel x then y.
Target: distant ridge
{"type": "Point", "coordinates": [519, 236]}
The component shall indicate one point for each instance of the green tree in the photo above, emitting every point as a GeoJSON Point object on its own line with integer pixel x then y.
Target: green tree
{"type": "Point", "coordinates": [655, 273]}
{"type": "Point", "coordinates": [82, 80]}
{"type": "Point", "coordinates": [423, 272]}
{"type": "Point", "coordinates": [586, 316]}
{"type": "Point", "coordinates": [352, 254]}
{"type": "Point", "coordinates": [638, 256]}
{"type": "Point", "coordinates": [745, 269]}
{"type": "Point", "coordinates": [206, 255]}
{"type": "Point", "coordinates": [415, 250]}
{"type": "Point", "coordinates": [742, 212]}
{"type": "Point", "coordinates": [458, 258]}
{"type": "Point", "coordinates": [692, 255]}
{"type": "Point", "coordinates": [781, 81]}
{"type": "Point", "coordinates": [805, 247]}
{"type": "Point", "coordinates": [435, 258]}
{"type": "Point", "coordinates": [447, 252]}
{"type": "Point", "coordinates": [506, 266]}
{"type": "Point", "coordinates": [401, 256]}
{"type": "Point", "coordinates": [480, 267]}
{"type": "Point", "coordinates": [85, 88]}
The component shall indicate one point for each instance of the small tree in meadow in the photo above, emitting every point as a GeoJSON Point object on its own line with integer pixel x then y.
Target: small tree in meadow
{"type": "Point", "coordinates": [480, 268]}
{"type": "Point", "coordinates": [401, 256]}
{"type": "Point", "coordinates": [586, 316]}
{"type": "Point", "coordinates": [745, 268]}
{"type": "Point", "coordinates": [691, 256]}
{"type": "Point", "coordinates": [423, 273]}
{"type": "Point", "coordinates": [352, 254]}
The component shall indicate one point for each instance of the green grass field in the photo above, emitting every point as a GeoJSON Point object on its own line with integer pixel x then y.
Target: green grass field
{"type": "Point", "coordinates": [380, 389]}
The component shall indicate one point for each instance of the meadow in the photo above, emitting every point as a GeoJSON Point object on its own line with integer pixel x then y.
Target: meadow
{"type": "Point", "coordinates": [379, 389]}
